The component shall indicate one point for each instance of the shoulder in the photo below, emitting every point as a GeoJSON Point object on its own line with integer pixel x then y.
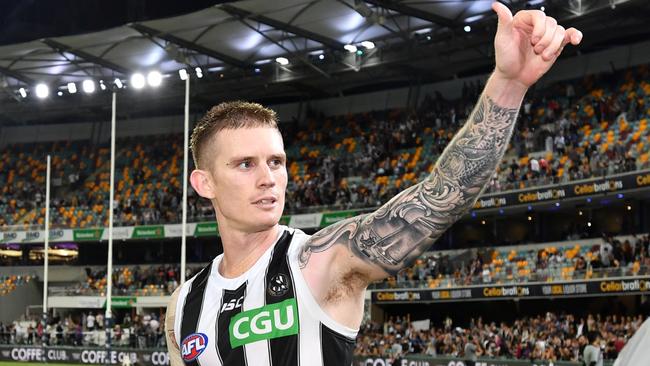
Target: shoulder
{"type": "Point", "coordinates": [298, 239]}
{"type": "Point", "coordinates": [170, 320]}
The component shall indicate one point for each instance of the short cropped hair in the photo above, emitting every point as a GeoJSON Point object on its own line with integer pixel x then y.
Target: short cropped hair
{"type": "Point", "coordinates": [228, 115]}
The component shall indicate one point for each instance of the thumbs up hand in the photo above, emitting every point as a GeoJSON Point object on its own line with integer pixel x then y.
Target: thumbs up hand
{"type": "Point", "coordinates": [528, 44]}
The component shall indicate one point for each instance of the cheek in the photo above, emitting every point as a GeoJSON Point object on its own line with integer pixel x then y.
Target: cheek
{"type": "Point", "coordinates": [282, 179]}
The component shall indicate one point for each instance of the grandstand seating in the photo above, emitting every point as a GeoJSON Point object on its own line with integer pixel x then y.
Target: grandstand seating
{"type": "Point", "coordinates": [343, 161]}
{"type": "Point", "coordinates": [617, 257]}
{"type": "Point", "coordinates": [144, 280]}
{"type": "Point", "coordinates": [9, 283]}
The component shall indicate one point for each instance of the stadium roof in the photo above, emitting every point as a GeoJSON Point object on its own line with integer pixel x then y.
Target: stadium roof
{"type": "Point", "coordinates": [236, 45]}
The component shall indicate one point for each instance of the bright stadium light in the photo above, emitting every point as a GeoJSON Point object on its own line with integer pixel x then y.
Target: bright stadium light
{"type": "Point", "coordinates": [321, 56]}
{"type": "Point", "coordinates": [182, 73]}
{"type": "Point", "coordinates": [137, 80]}
{"type": "Point", "coordinates": [282, 61]}
{"type": "Point", "coordinates": [42, 91]}
{"type": "Point", "coordinates": [72, 88]}
{"type": "Point", "coordinates": [154, 79]}
{"type": "Point", "coordinates": [102, 86]}
{"type": "Point", "coordinates": [88, 86]}
{"type": "Point", "coordinates": [59, 93]}
{"type": "Point", "coordinates": [199, 72]}
{"type": "Point", "coordinates": [467, 28]}
{"type": "Point", "coordinates": [350, 48]}
{"type": "Point", "coordinates": [118, 83]}
{"type": "Point", "coordinates": [368, 45]}
{"type": "Point", "coordinates": [23, 92]}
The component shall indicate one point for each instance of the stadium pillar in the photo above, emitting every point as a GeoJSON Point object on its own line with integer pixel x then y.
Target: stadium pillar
{"type": "Point", "coordinates": [109, 265]}
{"type": "Point", "coordinates": [186, 123]}
{"type": "Point", "coordinates": [46, 257]}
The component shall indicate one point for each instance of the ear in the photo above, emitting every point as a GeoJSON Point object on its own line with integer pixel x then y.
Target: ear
{"type": "Point", "coordinates": [202, 183]}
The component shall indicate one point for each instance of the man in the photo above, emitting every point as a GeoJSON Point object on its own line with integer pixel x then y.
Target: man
{"type": "Point", "coordinates": [592, 354]}
{"type": "Point", "coordinates": [470, 352]}
{"type": "Point", "coordinates": [279, 297]}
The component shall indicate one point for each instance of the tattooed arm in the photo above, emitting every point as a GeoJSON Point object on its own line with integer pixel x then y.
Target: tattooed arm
{"type": "Point", "coordinates": [381, 243]}
{"type": "Point", "coordinates": [393, 236]}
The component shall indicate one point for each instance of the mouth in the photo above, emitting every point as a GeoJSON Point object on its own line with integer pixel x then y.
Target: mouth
{"type": "Point", "coordinates": [266, 202]}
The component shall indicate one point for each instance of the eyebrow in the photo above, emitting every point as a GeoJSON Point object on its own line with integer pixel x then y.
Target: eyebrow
{"type": "Point", "coordinates": [237, 159]}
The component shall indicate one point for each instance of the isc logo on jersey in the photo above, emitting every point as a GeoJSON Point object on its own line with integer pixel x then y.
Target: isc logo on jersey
{"type": "Point", "coordinates": [232, 304]}
{"type": "Point", "coordinates": [193, 345]}
{"type": "Point", "coordinates": [268, 322]}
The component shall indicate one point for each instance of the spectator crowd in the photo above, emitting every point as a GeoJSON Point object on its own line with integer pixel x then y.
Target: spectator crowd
{"type": "Point", "coordinates": [550, 337]}
{"type": "Point", "coordinates": [87, 329]}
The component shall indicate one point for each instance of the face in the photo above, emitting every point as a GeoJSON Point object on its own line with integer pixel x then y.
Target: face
{"type": "Point", "coordinates": [246, 178]}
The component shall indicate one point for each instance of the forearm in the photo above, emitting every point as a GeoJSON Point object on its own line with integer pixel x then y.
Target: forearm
{"type": "Point", "coordinates": [410, 223]}
{"type": "Point", "coordinates": [471, 158]}
{"type": "Point", "coordinates": [392, 237]}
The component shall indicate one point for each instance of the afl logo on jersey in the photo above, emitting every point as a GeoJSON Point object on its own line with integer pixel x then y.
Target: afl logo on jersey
{"type": "Point", "coordinates": [279, 285]}
{"type": "Point", "coordinates": [193, 345]}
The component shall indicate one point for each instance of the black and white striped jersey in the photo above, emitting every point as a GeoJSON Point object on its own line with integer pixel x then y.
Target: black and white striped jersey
{"type": "Point", "coordinates": [266, 316]}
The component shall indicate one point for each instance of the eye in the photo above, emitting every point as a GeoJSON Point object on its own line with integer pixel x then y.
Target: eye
{"type": "Point", "coordinates": [274, 163]}
{"type": "Point", "coordinates": [246, 164]}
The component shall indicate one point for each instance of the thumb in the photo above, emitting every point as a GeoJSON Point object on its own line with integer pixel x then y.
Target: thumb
{"type": "Point", "coordinates": [503, 13]}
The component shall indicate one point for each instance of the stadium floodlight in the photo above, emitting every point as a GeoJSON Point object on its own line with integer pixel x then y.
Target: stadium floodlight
{"type": "Point", "coordinates": [102, 86]}
{"type": "Point", "coordinates": [59, 93]}
{"type": "Point", "coordinates": [137, 80]}
{"type": "Point", "coordinates": [542, 8]}
{"type": "Point", "coordinates": [629, 208]}
{"type": "Point", "coordinates": [199, 72]}
{"type": "Point", "coordinates": [182, 73]}
{"type": "Point", "coordinates": [368, 45]}
{"type": "Point", "coordinates": [88, 86]}
{"type": "Point", "coordinates": [23, 92]}
{"type": "Point", "coordinates": [118, 83]}
{"type": "Point", "coordinates": [257, 70]}
{"type": "Point", "coordinates": [72, 88]}
{"type": "Point", "coordinates": [589, 223]}
{"type": "Point", "coordinates": [321, 56]}
{"type": "Point", "coordinates": [467, 28]}
{"type": "Point", "coordinates": [154, 79]}
{"type": "Point", "coordinates": [282, 61]}
{"type": "Point", "coordinates": [350, 48]}
{"type": "Point", "coordinates": [42, 91]}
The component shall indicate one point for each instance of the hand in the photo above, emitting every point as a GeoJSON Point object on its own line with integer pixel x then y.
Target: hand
{"type": "Point", "coordinates": [528, 44]}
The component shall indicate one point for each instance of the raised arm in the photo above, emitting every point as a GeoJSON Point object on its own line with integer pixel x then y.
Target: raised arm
{"type": "Point", "coordinates": [391, 238]}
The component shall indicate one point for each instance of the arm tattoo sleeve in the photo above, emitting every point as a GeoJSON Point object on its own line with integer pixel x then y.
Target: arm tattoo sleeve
{"type": "Point", "coordinates": [397, 233]}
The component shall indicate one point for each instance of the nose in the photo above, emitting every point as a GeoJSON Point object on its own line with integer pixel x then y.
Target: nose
{"type": "Point", "coordinates": [266, 178]}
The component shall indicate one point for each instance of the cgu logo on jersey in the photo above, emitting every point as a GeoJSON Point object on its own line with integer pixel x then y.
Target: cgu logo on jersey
{"type": "Point", "coordinates": [193, 345]}
{"type": "Point", "coordinates": [232, 304]}
{"type": "Point", "coordinates": [268, 322]}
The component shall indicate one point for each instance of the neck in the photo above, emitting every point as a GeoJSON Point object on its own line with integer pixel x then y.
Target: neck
{"type": "Point", "coordinates": [241, 250]}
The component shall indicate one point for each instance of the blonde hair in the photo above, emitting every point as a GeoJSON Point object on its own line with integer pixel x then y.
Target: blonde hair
{"type": "Point", "coordinates": [228, 115]}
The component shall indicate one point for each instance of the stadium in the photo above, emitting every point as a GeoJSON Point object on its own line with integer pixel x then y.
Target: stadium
{"type": "Point", "coordinates": [100, 224]}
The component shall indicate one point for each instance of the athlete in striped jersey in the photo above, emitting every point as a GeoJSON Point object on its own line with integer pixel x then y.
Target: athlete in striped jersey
{"type": "Point", "coordinates": [279, 297]}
